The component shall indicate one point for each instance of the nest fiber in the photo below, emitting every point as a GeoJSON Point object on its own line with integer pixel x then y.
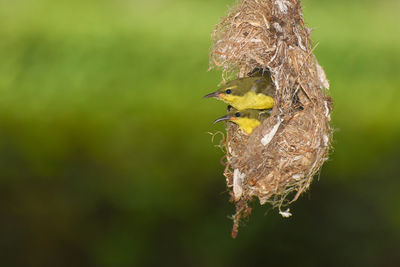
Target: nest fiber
{"type": "Point", "coordinates": [277, 162]}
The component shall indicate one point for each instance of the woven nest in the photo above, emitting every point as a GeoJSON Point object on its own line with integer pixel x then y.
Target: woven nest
{"type": "Point", "coordinates": [277, 162]}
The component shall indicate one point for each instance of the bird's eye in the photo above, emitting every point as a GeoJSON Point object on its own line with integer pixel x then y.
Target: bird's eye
{"type": "Point", "coordinates": [237, 114]}
{"type": "Point", "coordinates": [229, 91]}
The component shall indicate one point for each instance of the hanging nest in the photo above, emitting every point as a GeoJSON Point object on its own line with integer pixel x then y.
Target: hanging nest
{"type": "Point", "coordinates": [277, 162]}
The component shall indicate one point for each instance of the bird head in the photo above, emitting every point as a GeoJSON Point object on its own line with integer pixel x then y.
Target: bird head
{"type": "Point", "coordinates": [240, 87]}
{"type": "Point", "coordinates": [247, 119]}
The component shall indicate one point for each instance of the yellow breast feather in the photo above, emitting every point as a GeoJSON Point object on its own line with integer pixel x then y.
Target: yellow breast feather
{"type": "Point", "coordinates": [250, 100]}
{"type": "Point", "coordinates": [246, 124]}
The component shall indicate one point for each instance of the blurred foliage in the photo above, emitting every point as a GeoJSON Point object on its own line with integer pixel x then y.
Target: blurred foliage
{"type": "Point", "coordinates": [105, 157]}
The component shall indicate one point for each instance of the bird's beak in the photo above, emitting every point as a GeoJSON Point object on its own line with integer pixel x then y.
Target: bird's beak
{"type": "Point", "coordinates": [224, 118]}
{"type": "Point", "coordinates": [215, 94]}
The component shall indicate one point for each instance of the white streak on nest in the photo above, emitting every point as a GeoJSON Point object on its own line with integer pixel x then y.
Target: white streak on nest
{"type": "Point", "coordinates": [268, 137]}
{"type": "Point", "coordinates": [327, 110]}
{"type": "Point", "coordinates": [301, 45]}
{"type": "Point", "coordinates": [276, 85]}
{"type": "Point", "coordinates": [299, 41]}
{"type": "Point", "coordinates": [282, 5]}
{"type": "Point", "coordinates": [322, 76]}
{"type": "Point", "coordinates": [267, 50]}
{"type": "Point", "coordinates": [298, 157]}
{"type": "Point", "coordinates": [273, 58]}
{"type": "Point", "coordinates": [254, 23]}
{"type": "Point", "coordinates": [255, 40]}
{"type": "Point", "coordinates": [238, 178]}
{"type": "Point", "coordinates": [297, 176]}
{"type": "Point", "coordinates": [277, 27]}
{"type": "Point", "coordinates": [325, 138]}
{"type": "Point", "coordinates": [286, 213]}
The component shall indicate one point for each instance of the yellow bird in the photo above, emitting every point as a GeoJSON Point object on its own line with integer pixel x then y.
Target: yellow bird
{"type": "Point", "coordinates": [247, 119]}
{"type": "Point", "coordinates": [247, 93]}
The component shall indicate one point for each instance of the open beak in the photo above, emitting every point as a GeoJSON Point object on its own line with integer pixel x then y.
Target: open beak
{"type": "Point", "coordinates": [224, 118]}
{"type": "Point", "coordinates": [215, 94]}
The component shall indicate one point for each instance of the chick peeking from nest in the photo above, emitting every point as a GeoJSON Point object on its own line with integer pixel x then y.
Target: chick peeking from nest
{"type": "Point", "coordinates": [249, 99]}
{"type": "Point", "coordinates": [247, 93]}
{"type": "Point", "coordinates": [247, 119]}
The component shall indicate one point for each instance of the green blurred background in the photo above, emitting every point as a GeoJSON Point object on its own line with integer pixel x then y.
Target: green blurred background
{"type": "Point", "coordinates": [106, 159]}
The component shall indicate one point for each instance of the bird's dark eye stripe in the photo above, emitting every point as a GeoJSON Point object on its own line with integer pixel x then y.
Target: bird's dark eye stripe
{"type": "Point", "coordinates": [237, 114]}
{"type": "Point", "coordinates": [228, 91]}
